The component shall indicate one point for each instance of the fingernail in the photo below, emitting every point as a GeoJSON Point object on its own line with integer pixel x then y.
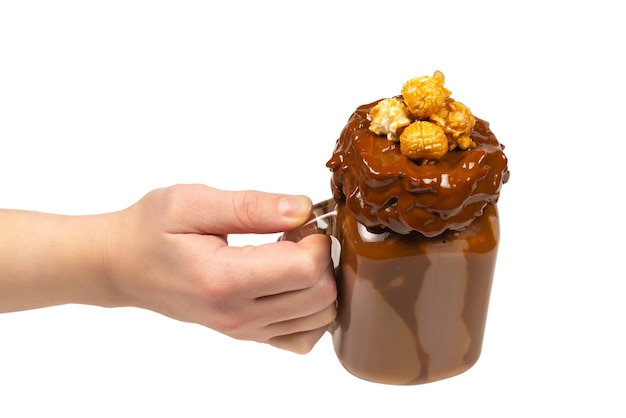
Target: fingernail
{"type": "Point", "coordinates": [294, 206]}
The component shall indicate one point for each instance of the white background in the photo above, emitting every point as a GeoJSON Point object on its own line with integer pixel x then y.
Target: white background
{"type": "Point", "coordinates": [102, 101]}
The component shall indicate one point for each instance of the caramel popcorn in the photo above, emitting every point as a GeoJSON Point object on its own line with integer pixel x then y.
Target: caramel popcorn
{"type": "Point", "coordinates": [388, 116]}
{"type": "Point", "coordinates": [425, 95]}
{"type": "Point", "coordinates": [457, 122]}
{"type": "Point", "coordinates": [425, 119]}
{"type": "Point", "coordinates": [423, 141]}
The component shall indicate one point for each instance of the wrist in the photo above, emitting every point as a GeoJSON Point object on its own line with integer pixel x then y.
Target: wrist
{"type": "Point", "coordinates": [51, 260]}
{"type": "Point", "coordinates": [77, 260]}
{"type": "Point", "coordinates": [94, 267]}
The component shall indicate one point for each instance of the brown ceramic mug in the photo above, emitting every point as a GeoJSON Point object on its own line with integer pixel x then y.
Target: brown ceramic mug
{"type": "Point", "coordinates": [411, 309]}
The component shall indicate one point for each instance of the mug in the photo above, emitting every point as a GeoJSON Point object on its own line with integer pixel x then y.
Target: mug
{"type": "Point", "coordinates": [410, 309]}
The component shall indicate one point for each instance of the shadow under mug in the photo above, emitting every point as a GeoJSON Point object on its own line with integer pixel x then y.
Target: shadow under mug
{"type": "Point", "coordinates": [411, 309]}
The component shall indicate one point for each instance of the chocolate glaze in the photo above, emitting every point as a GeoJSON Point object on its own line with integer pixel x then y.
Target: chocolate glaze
{"type": "Point", "coordinates": [385, 190]}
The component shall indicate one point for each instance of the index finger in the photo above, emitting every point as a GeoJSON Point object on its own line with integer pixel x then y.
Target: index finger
{"type": "Point", "coordinates": [275, 268]}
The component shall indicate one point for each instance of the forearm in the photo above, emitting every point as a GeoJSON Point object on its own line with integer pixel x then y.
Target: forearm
{"type": "Point", "coordinates": [169, 253]}
{"type": "Point", "coordinates": [48, 260]}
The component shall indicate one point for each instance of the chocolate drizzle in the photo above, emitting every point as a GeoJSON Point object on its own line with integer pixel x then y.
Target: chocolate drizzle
{"type": "Point", "coordinates": [385, 190]}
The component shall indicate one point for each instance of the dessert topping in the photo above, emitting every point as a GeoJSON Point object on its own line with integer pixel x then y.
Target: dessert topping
{"type": "Point", "coordinates": [428, 115]}
{"type": "Point", "coordinates": [457, 122]}
{"type": "Point", "coordinates": [388, 116]}
{"type": "Point", "coordinates": [425, 95]}
{"type": "Point", "coordinates": [423, 140]}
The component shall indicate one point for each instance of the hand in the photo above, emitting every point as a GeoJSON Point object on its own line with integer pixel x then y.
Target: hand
{"type": "Point", "coordinates": [169, 253]}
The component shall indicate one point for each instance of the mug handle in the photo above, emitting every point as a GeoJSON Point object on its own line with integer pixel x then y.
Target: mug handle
{"type": "Point", "coordinates": [323, 220]}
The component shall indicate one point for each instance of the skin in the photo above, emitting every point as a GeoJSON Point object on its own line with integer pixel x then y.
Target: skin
{"type": "Point", "coordinates": [169, 253]}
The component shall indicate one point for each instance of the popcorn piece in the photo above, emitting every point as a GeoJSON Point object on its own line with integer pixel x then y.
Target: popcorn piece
{"type": "Point", "coordinates": [465, 142]}
{"type": "Point", "coordinates": [423, 141]}
{"type": "Point", "coordinates": [425, 95]}
{"type": "Point", "coordinates": [457, 122]}
{"type": "Point", "coordinates": [426, 120]}
{"type": "Point", "coordinates": [388, 116]}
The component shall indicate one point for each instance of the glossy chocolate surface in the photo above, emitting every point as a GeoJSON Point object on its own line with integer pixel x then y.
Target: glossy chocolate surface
{"type": "Point", "coordinates": [385, 190]}
{"type": "Point", "coordinates": [412, 309]}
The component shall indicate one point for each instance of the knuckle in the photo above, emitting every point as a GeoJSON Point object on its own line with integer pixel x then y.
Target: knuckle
{"type": "Point", "coordinates": [233, 323]}
{"type": "Point", "coordinates": [227, 312]}
{"type": "Point", "coordinates": [229, 325]}
{"type": "Point", "coordinates": [168, 202]}
{"type": "Point", "coordinates": [311, 272]}
{"type": "Point", "coordinates": [247, 208]}
{"type": "Point", "coordinates": [299, 343]}
{"type": "Point", "coordinates": [303, 347]}
{"type": "Point", "coordinates": [314, 264]}
{"type": "Point", "coordinates": [219, 296]}
{"type": "Point", "coordinates": [329, 289]}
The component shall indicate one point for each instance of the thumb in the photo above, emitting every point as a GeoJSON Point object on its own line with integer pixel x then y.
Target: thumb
{"type": "Point", "coordinates": [228, 212]}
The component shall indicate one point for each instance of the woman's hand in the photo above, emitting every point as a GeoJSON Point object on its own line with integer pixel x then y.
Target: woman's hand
{"type": "Point", "coordinates": [169, 253]}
